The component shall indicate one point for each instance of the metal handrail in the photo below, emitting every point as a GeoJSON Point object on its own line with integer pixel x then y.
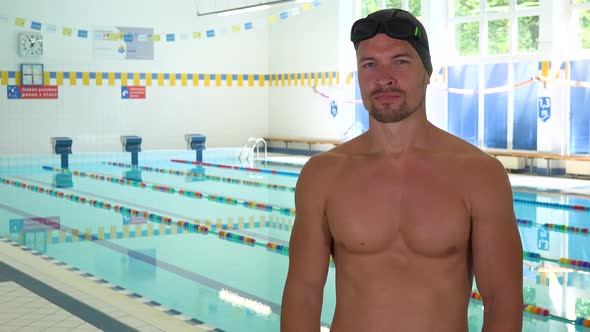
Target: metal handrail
{"type": "Point", "coordinates": [245, 148]}
{"type": "Point", "coordinates": [258, 140]}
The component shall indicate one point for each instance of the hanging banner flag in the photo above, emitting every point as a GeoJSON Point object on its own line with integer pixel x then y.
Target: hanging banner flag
{"type": "Point", "coordinates": [32, 92]}
{"type": "Point", "coordinates": [133, 92]}
{"type": "Point", "coordinates": [19, 22]}
{"type": "Point", "coordinates": [35, 25]}
{"type": "Point", "coordinates": [51, 28]}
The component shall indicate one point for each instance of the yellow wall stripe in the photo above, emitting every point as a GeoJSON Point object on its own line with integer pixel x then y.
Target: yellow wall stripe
{"type": "Point", "coordinates": [73, 79]}
{"type": "Point", "coordinates": [229, 80]}
{"type": "Point", "coordinates": [59, 78]}
{"type": "Point", "coordinates": [545, 68]}
{"type": "Point", "coordinates": [46, 78]}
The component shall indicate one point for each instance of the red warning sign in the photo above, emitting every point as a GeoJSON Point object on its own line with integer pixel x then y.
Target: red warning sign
{"type": "Point", "coordinates": [133, 92]}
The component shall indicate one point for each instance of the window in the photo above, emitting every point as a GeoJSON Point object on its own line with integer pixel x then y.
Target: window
{"type": "Point", "coordinates": [584, 28]}
{"type": "Point", "coordinates": [528, 34]}
{"type": "Point", "coordinates": [507, 27]}
{"type": "Point", "coordinates": [499, 37]}
{"type": "Point", "coordinates": [467, 38]}
{"type": "Point", "coordinates": [369, 6]}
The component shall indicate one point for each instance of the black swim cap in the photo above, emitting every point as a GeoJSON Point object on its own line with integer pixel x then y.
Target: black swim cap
{"type": "Point", "coordinates": [398, 24]}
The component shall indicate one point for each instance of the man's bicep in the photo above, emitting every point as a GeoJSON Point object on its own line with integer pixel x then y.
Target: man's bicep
{"type": "Point", "coordinates": [309, 246]}
{"type": "Point", "coordinates": [496, 244]}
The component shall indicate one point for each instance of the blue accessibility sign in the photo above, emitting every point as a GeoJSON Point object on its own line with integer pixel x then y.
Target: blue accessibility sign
{"type": "Point", "coordinates": [124, 92]}
{"type": "Point", "coordinates": [13, 92]}
{"type": "Point", "coordinates": [544, 108]}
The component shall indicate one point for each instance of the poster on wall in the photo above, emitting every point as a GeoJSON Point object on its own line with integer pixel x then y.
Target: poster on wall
{"type": "Point", "coordinates": [31, 92]}
{"type": "Point", "coordinates": [123, 43]}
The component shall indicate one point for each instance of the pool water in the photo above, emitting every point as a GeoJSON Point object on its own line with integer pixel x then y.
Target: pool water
{"type": "Point", "coordinates": [221, 279]}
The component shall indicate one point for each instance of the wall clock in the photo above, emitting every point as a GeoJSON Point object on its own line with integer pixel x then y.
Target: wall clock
{"type": "Point", "coordinates": [30, 44]}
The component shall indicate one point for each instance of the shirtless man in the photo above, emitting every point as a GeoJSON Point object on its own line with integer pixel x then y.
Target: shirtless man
{"type": "Point", "coordinates": [411, 211]}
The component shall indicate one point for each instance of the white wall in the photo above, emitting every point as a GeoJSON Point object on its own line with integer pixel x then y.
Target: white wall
{"type": "Point", "coordinates": [96, 116]}
{"type": "Point", "coordinates": [312, 42]}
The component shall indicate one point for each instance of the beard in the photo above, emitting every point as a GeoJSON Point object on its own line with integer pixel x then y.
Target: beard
{"type": "Point", "coordinates": [388, 112]}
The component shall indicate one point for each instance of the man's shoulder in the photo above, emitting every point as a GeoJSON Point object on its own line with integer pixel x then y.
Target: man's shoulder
{"type": "Point", "coordinates": [467, 151]}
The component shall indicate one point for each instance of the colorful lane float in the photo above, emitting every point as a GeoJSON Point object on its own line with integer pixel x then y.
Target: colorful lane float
{"type": "Point", "coordinates": [555, 227]}
{"type": "Point", "coordinates": [186, 193]}
{"type": "Point", "coordinates": [189, 226]}
{"type": "Point", "coordinates": [530, 308]}
{"type": "Point", "coordinates": [278, 248]}
{"type": "Point", "coordinates": [236, 238]}
{"type": "Point", "coordinates": [581, 321]}
{"type": "Point", "coordinates": [553, 205]}
{"type": "Point", "coordinates": [563, 261]}
{"type": "Point", "coordinates": [206, 177]}
{"type": "Point", "coordinates": [237, 168]}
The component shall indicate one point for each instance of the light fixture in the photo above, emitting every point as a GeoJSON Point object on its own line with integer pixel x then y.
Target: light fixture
{"type": "Point", "coordinates": [245, 9]}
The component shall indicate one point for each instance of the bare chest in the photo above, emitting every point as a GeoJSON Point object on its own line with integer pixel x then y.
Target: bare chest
{"type": "Point", "coordinates": [407, 210]}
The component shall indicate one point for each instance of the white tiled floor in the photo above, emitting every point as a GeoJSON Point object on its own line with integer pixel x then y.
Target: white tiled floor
{"type": "Point", "coordinates": [22, 310]}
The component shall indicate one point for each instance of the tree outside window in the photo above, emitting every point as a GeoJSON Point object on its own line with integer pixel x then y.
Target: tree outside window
{"type": "Point", "coordinates": [584, 28]}
{"type": "Point", "coordinates": [494, 6]}
{"type": "Point", "coordinates": [528, 34]}
{"type": "Point", "coordinates": [499, 37]}
{"type": "Point", "coordinates": [467, 38]}
{"type": "Point", "coordinates": [527, 3]}
{"type": "Point", "coordinates": [467, 7]}
{"type": "Point", "coordinates": [393, 4]}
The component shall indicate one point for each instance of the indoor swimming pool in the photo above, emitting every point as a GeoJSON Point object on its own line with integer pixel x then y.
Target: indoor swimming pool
{"type": "Point", "coordinates": [210, 240]}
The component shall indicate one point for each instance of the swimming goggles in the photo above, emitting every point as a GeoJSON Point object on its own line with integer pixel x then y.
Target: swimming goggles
{"type": "Point", "coordinates": [366, 28]}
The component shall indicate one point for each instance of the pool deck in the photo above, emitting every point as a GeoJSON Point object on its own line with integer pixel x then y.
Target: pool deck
{"type": "Point", "coordinates": [38, 293]}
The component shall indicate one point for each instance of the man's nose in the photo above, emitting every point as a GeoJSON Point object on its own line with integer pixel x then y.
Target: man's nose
{"type": "Point", "coordinates": [385, 77]}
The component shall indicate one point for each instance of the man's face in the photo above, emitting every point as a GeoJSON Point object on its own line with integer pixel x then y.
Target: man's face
{"type": "Point", "coordinates": [392, 78]}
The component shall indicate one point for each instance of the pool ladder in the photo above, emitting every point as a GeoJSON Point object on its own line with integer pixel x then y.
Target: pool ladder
{"type": "Point", "coordinates": [247, 152]}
